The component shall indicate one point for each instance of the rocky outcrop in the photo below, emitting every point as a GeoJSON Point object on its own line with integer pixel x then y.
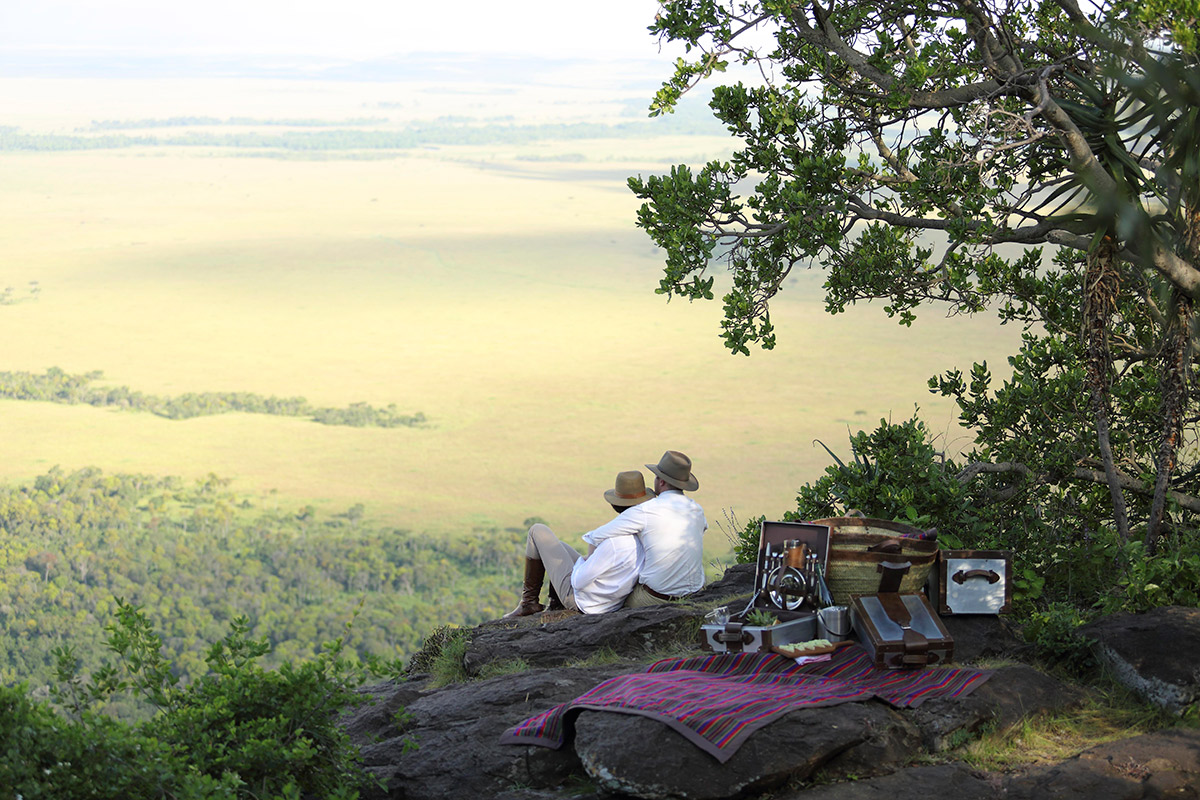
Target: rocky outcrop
{"type": "Point", "coordinates": [1153, 653]}
{"type": "Point", "coordinates": [552, 639]}
{"type": "Point", "coordinates": [1153, 766]}
{"type": "Point", "coordinates": [569, 637]}
{"type": "Point", "coordinates": [446, 742]}
{"type": "Point", "coordinates": [1015, 692]}
{"type": "Point", "coordinates": [423, 741]}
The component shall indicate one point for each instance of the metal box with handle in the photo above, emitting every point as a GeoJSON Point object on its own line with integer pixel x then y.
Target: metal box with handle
{"type": "Point", "coordinates": [974, 582]}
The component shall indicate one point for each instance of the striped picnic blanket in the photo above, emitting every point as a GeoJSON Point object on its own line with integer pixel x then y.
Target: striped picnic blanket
{"type": "Point", "coordinates": [717, 701]}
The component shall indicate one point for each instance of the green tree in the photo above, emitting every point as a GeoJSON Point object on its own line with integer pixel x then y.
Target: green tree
{"type": "Point", "coordinates": [926, 153]}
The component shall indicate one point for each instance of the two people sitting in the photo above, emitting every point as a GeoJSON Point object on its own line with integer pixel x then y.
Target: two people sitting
{"type": "Point", "coordinates": [652, 552]}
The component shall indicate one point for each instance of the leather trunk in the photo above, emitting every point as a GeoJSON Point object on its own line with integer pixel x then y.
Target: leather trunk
{"type": "Point", "coordinates": [900, 630]}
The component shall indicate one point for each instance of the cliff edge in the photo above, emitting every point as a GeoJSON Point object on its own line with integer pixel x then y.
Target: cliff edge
{"type": "Point", "coordinates": [425, 740]}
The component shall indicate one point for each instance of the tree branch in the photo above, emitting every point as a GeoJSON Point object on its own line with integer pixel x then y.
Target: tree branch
{"type": "Point", "coordinates": [1127, 482]}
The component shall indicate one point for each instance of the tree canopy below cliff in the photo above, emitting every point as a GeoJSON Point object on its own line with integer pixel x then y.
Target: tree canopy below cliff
{"type": "Point", "coordinates": [196, 555]}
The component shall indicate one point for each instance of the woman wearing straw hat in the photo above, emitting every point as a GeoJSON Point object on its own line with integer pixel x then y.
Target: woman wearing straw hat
{"type": "Point", "coordinates": [592, 584]}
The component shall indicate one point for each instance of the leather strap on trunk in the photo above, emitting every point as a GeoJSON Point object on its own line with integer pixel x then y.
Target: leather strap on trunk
{"type": "Point", "coordinates": [892, 574]}
{"type": "Point", "coordinates": [895, 609]}
{"type": "Point", "coordinates": [916, 645]}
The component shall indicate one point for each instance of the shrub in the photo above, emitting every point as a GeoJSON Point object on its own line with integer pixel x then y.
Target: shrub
{"type": "Point", "coordinates": [238, 732]}
{"type": "Point", "coordinates": [745, 547]}
{"type": "Point", "coordinates": [895, 474]}
{"type": "Point", "coordinates": [441, 655]}
{"type": "Point", "coordinates": [1055, 634]}
{"type": "Point", "coordinates": [1171, 577]}
{"type": "Point", "coordinates": [45, 755]}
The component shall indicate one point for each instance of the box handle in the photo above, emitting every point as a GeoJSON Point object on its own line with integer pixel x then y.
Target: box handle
{"type": "Point", "coordinates": [733, 635]}
{"type": "Point", "coordinates": [962, 576]}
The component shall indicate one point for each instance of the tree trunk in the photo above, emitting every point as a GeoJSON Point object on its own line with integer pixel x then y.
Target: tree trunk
{"type": "Point", "coordinates": [1176, 357]}
{"type": "Point", "coordinates": [1101, 285]}
{"type": "Point", "coordinates": [1177, 360]}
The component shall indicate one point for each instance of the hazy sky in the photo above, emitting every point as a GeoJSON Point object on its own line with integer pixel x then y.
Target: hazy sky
{"type": "Point", "coordinates": [335, 28]}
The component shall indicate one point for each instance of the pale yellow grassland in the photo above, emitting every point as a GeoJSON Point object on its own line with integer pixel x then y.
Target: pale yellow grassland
{"type": "Point", "coordinates": [510, 301]}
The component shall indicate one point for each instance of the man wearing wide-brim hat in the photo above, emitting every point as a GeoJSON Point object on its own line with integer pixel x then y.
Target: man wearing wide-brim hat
{"type": "Point", "coordinates": [671, 529]}
{"type": "Point", "coordinates": [592, 584]}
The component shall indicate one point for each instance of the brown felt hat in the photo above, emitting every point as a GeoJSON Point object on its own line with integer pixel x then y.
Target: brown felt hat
{"type": "Point", "coordinates": [629, 490]}
{"type": "Point", "coordinates": [676, 469]}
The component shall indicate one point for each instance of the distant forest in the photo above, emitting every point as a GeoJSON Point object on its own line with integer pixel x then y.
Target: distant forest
{"type": "Point", "coordinates": [57, 386]}
{"type": "Point", "coordinates": [352, 136]}
{"type": "Point", "coordinates": [196, 555]}
{"type": "Point", "coordinates": [188, 122]}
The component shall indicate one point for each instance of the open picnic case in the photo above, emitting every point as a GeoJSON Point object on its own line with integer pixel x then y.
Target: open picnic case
{"type": "Point", "coordinates": [788, 583]}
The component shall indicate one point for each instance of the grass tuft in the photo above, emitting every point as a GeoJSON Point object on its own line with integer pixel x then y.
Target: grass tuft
{"type": "Point", "coordinates": [1109, 715]}
{"type": "Point", "coordinates": [600, 657]}
{"type": "Point", "coordinates": [442, 655]}
{"type": "Point", "coordinates": [495, 669]}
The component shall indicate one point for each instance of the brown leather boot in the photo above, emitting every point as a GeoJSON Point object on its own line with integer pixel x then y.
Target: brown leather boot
{"type": "Point", "coordinates": [555, 604]}
{"type": "Point", "coordinates": [535, 573]}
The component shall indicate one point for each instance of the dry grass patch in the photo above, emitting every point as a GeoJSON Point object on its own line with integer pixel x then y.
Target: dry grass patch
{"type": "Point", "coordinates": [1108, 716]}
{"type": "Point", "coordinates": [600, 657]}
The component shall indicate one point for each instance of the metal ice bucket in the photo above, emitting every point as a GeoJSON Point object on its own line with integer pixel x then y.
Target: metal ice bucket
{"type": "Point", "coordinates": [833, 623]}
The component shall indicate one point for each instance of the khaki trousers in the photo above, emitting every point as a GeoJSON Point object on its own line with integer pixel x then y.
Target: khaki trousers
{"type": "Point", "coordinates": [640, 598]}
{"type": "Point", "coordinates": [559, 559]}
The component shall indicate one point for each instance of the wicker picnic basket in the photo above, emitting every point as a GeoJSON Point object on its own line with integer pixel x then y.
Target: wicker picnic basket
{"type": "Point", "coordinates": [858, 545]}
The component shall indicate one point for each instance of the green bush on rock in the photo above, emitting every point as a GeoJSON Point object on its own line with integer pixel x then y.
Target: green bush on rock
{"type": "Point", "coordinates": [896, 474]}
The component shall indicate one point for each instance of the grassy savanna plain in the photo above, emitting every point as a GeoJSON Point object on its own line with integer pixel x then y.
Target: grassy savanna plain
{"type": "Point", "coordinates": [501, 289]}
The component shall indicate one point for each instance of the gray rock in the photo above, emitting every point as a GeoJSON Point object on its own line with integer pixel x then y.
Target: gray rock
{"type": "Point", "coordinates": [1156, 653]}
{"type": "Point", "coordinates": [446, 743]}
{"type": "Point", "coordinates": [382, 712]}
{"type": "Point", "coordinates": [1153, 766]}
{"type": "Point", "coordinates": [631, 633]}
{"type": "Point", "coordinates": [426, 743]}
{"type": "Point", "coordinates": [644, 758]}
{"type": "Point", "coordinates": [1167, 762]}
{"type": "Point", "coordinates": [890, 740]}
{"type": "Point", "coordinates": [979, 636]}
{"type": "Point", "coordinates": [956, 781]}
{"type": "Point", "coordinates": [554, 638]}
{"type": "Point", "coordinates": [1157, 765]}
{"type": "Point", "coordinates": [738, 581]}
{"type": "Point", "coordinates": [854, 739]}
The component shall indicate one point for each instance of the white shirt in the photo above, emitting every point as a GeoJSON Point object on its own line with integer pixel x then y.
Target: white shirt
{"type": "Point", "coordinates": [604, 579]}
{"type": "Point", "coordinates": [671, 528]}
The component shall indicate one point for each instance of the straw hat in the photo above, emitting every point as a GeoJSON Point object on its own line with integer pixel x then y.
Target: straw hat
{"type": "Point", "coordinates": [629, 490]}
{"type": "Point", "coordinates": [676, 469]}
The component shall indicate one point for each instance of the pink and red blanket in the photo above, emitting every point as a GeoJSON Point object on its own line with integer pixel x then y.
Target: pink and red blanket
{"type": "Point", "coordinates": [717, 701]}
